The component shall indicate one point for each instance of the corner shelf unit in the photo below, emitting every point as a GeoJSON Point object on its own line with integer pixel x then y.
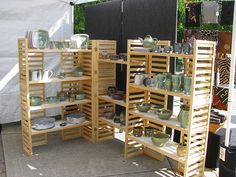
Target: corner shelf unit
{"type": "Point", "coordinates": [199, 65]}
{"type": "Point", "coordinates": [33, 59]}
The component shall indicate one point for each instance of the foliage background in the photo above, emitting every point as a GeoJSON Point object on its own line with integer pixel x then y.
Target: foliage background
{"type": "Point", "coordinates": [79, 21]}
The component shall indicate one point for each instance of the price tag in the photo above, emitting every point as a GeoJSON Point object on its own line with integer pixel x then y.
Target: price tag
{"type": "Point", "coordinates": [222, 153]}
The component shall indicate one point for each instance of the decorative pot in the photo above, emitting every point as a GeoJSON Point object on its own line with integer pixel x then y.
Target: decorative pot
{"type": "Point", "coordinates": [143, 107]}
{"type": "Point", "coordinates": [160, 139]}
{"type": "Point", "coordinates": [160, 81]}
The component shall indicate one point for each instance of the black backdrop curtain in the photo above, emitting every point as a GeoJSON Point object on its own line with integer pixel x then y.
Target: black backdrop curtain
{"type": "Point", "coordinates": [128, 19]}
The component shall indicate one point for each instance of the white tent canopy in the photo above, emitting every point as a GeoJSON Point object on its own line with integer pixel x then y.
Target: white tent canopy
{"type": "Point", "coordinates": [17, 17]}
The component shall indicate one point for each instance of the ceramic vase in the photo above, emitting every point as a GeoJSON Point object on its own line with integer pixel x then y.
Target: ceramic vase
{"type": "Point", "coordinates": [187, 85]}
{"type": "Point", "coordinates": [176, 83]}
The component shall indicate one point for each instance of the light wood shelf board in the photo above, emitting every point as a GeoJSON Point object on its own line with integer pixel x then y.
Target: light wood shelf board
{"type": "Point", "coordinates": [67, 79]}
{"type": "Point", "coordinates": [150, 116]}
{"type": "Point", "coordinates": [109, 99]}
{"type": "Point", "coordinates": [59, 128]}
{"type": "Point", "coordinates": [60, 104]}
{"type": "Point", "coordinates": [112, 123]}
{"type": "Point", "coordinates": [170, 150]}
{"type": "Point", "coordinates": [113, 61]}
{"type": "Point", "coordinates": [161, 91]}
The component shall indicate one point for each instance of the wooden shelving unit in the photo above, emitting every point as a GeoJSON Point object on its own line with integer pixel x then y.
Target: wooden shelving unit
{"type": "Point", "coordinates": [106, 76]}
{"type": "Point", "coordinates": [200, 66]}
{"type": "Point", "coordinates": [32, 59]}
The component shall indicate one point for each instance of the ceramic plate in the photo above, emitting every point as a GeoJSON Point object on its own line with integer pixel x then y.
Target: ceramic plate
{"type": "Point", "coordinates": [43, 123]}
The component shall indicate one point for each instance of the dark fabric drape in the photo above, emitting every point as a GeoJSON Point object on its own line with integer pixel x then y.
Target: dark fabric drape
{"type": "Point", "coordinates": [227, 13]}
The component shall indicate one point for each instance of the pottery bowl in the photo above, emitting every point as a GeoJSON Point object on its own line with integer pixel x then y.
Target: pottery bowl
{"type": "Point", "coordinates": [109, 115]}
{"type": "Point", "coordinates": [35, 101]}
{"type": "Point", "coordinates": [160, 139]}
{"type": "Point", "coordinates": [143, 107]}
{"type": "Point", "coordinates": [80, 96]}
{"type": "Point", "coordinates": [164, 114]}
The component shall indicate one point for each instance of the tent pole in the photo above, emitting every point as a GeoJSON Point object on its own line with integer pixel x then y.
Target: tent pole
{"type": "Point", "coordinates": [231, 81]}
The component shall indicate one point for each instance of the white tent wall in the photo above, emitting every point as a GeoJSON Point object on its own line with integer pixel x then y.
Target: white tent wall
{"type": "Point", "coordinates": [16, 17]}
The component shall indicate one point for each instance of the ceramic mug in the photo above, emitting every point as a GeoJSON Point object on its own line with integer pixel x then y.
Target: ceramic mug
{"type": "Point", "coordinates": [138, 79]}
{"type": "Point", "coordinates": [36, 75]}
{"type": "Point", "coordinates": [160, 81]}
{"type": "Point", "coordinates": [47, 74]}
{"type": "Point", "coordinates": [187, 85]}
{"type": "Point", "coordinates": [176, 83]}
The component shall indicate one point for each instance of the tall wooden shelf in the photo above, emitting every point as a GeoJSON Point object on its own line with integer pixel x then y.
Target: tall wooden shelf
{"type": "Point", "coordinates": [106, 76]}
{"type": "Point", "coordinates": [200, 66]}
{"type": "Point", "coordinates": [32, 59]}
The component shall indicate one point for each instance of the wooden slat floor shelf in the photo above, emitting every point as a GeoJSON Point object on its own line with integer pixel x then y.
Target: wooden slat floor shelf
{"type": "Point", "coordinates": [60, 104]}
{"type": "Point", "coordinates": [109, 99]}
{"type": "Point", "coordinates": [161, 91]}
{"type": "Point", "coordinates": [58, 50]}
{"type": "Point", "coordinates": [112, 123]}
{"type": "Point", "coordinates": [163, 54]}
{"type": "Point", "coordinates": [170, 150]}
{"type": "Point", "coordinates": [59, 128]}
{"type": "Point", "coordinates": [61, 80]}
{"type": "Point", "coordinates": [150, 116]}
{"type": "Point", "coordinates": [114, 61]}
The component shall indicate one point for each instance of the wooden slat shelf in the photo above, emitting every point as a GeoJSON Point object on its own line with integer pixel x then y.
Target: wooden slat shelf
{"type": "Point", "coordinates": [170, 150]}
{"type": "Point", "coordinates": [113, 61]}
{"type": "Point", "coordinates": [58, 50]}
{"type": "Point", "coordinates": [109, 99]}
{"type": "Point", "coordinates": [150, 116]}
{"type": "Point", "coordinates": [161, 91]}
{"type": "Point", "coordinates": [59, 128]}
{"type": "Point", "coordinates": [162, 54]}
{"type": "Point", "coordinates": [67, 79]}
{"type": "Point", "coordinates": [112, 123]}
{"type": "Point", "coordinates": [60, 104]}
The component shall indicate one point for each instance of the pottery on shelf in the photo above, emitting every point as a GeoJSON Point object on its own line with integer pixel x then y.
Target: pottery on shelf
{"type": "Point", "coordinates": [53, 99]}
{"type": "Point", "coordinates": [181, 150]}
{"type": "Point", "coordinates": [80, 96]}
{"type": "Point", "coordinates": [160, 139]}
{"type": "Point", "coordinates": [111, 90]}
{"type": "Point", "coordinates": [118, 95]}
{"type": "Point", "coordinates": [176, 82]}
{"type": "Point", "coordinates": [109, 115]}
{"type": "Point", "coordinates": [43, 123]}
{"type": "Point", "coordinates": [148, 41]}
{"type": "Point", "coordinates": [187, 84]}
{"type": "Point", "coordinates": [62, 96]}
{"type": "Point", "coordinates": [143, 107]}
{"type": "Point", "coordinates": [161, 81]}
{"type": "Point", "coordinates": [164, 114]}
{"type": "Point", "coordinates": [77, 71]}
{"type": "Point", "coordinates": [75, 118]}
{"type": "Point", "coordinates": [148, 131]}
{"type": "Point", "coordinates": [138, 131]}
{"type": "Point", "coordinates": [183, 116]}
{"type": "Point", "coordinates": [35, 101]}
